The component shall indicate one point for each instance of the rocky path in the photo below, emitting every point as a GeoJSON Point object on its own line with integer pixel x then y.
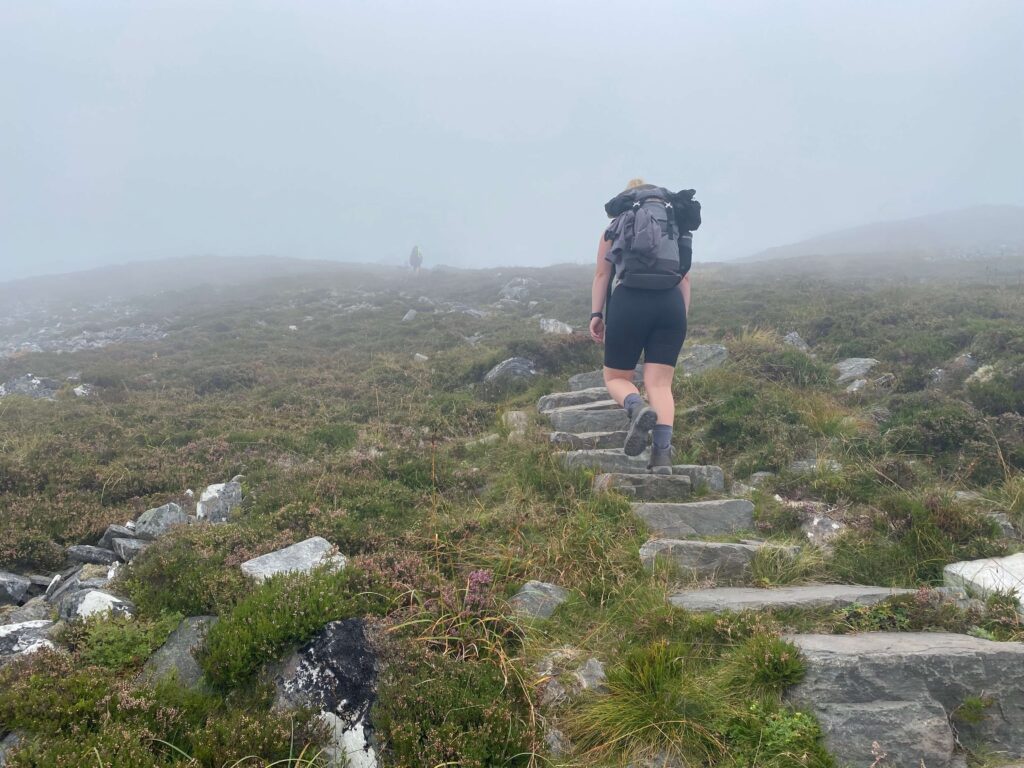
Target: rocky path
{"type": "Point", "coordinates": [876, 693]}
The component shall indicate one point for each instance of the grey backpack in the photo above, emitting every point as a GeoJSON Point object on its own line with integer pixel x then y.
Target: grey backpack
{"type": "Point", "coordinates": [644, 238]}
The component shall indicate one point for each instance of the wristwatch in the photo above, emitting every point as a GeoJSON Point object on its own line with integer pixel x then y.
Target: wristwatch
{"type": "Point", "coordinates": [597, 314]}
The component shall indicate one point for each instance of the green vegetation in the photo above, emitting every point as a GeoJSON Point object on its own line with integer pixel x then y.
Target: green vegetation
{"type": "Point", "coordinates": [339, 434]}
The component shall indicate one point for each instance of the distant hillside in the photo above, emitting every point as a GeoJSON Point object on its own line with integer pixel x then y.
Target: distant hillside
{"type": "Point", "coordinates": [970, 233]}
{"type": "Point", "coordinates": [147, 277]}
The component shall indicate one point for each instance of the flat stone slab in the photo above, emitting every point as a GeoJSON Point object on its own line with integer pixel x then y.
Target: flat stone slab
{"type": "Point", "coordinates": [538, 599]}
{"type": "Point", "coordinates": [86, 553]}
{"type": "Point", "coordinates": [176, 657]}
{"type": "Point", "coordinates": [984, 577]}
{"type": "Point", "coordinates": [853, 368]}
{"type": "Point", "coordinates": [128, 549]}
{"type": "Point", "coordinates": [115, 532]}
{"type": "Point", "coordinates": [602, 416]}
{"type": "Point", "coordinates": [298, 558]}
{"type": "Point", "coordinates": [577, 397]}
{"type": "Point", "coordinates": [901, 688]}
{"type": "Point", "coordinates": [614, 461]}
{"type": "Point", "coordinates": [588, 440]}
{"type": "Point", "coordinates": [645, 487]}
{"type": "Point", "coordinates": [93, 602]}
{"type": "Point", "coordinates": [702, 559]}
{"type": "Point", "coordinates": [754, 599]}
{"type": "Point", "coordinates": [696, 518]}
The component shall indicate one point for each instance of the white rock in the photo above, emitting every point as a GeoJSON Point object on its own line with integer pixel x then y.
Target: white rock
{"type": "Point", "coordinates": [298, 558]}
{"type": "Point", "coordinates": [549, 325]}
{"type": "Point", "coordinates": [420, 358]}
{"type": "Point", "coordinates": [409, 316]}
{"type": "Point", "coordinates": [987, 576]}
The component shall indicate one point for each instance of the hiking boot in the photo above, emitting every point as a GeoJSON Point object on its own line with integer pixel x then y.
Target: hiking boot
{"type": "Point", "coordinates": [640, 427]}
{"type": "Point", "coordinates": [660, 462]}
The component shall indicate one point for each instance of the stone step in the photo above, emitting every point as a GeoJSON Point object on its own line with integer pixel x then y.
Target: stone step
{"type": "Point", "coordinates": [754, 599]}
{"type": "Point", "coordinates": [594, 379]}
{"type": "Point", "coordinates": [614, 461]}
{"type": "Point", "coordinates": [902, 689]}
{"type": "Point", "coordinates": [587, 440]}
{"type": "Point", "coordinates": [696, 518]}
{"type": "Point", "coordinates": [719, 561]}
{"type": "Point", "coordinates": [645, 487]}
{"type": "Point", "coordinates": [989, 575]}
{"type": "Point", "coordinates": [577, 397]}
{"type": "Point", "coordinates": [600, 416]}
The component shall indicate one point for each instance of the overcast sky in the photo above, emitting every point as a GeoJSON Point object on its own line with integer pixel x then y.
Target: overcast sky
{"type": "Point", "coordinates": [488, 132]}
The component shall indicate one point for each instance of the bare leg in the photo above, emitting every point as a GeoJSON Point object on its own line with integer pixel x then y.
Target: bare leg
{"type": "Point", "coordinates": [620, 384]}
{"type": "Point", "coordinates": [658, 383]}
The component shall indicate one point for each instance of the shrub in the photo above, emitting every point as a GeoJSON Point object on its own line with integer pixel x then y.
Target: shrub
{"type": "Point", "coordinates": [761, 668]}
{"type": "Point", "coordinates": [1003, 393]}
{"type": "Point", "coordinates": [436, 710]}
{"type": "Point", "coordinates": [118, 642]}
{"type": "Point", "coordinates": [284, 610]}
{"type": "Point", "coordinates": [770, 737]}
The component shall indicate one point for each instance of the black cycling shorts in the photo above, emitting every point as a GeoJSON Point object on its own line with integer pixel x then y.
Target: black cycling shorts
{"type": "Point", "coordinates": [638, 320]}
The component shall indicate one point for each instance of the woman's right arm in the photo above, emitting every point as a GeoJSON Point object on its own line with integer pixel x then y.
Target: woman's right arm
{"type": "Point", "coordinates": [599, 289]}
{"type": "Point", "coordinates": [684, 286]}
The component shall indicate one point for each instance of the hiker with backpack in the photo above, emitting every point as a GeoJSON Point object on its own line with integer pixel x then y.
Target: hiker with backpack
{"type": "Point", "coordinates": [415, 259]}
{"type": "Point", "coordinates": [639, 301]}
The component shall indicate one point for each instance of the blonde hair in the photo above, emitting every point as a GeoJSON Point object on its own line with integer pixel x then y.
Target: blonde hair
{"type": "Point", "coordinates": [634, 183]}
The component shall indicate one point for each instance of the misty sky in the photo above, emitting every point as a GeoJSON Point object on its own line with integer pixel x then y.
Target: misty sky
{"type": "Point", "coordinates": [489, 133]}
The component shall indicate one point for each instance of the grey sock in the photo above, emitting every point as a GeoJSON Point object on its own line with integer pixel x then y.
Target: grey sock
{"type": "Point", "coordinates": [661, 436]}
{"type": "Point", "coordinates": [631, 403]}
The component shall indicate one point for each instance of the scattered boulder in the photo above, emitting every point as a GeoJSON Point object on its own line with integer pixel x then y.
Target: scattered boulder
{"type": "Point", "coordinates": [738, 599]}
{"type": "Point", "coordinates": [92, 602]}
{"type": "Point", "coordinates": [335, 673]}
{"type": "Point", "coordinates": [420, 358]}
{"type": "Point", "coordinates": [484, 441]}
{"type": "Point", "coordinates": [302, 557]}
{"type": "Point", "coordinates": [696, 518]}
{"type": "Point", "coordinates": [176, 657]}
{"type": "Point", "coordinates": [127, 549]}
{"type": "Point", "coordinates": [760, 478]}
{"type": "Point", "coordinates": [853, 368]}
{"type": "Point", "coordinates": [793, 339]}
{"type": "Point", "coordinates": [85, 553]}
{"type": "Point", "coordinates": [13, 588]}
{"type": "Point", "coordinates": [855, 386]}
{"type": "Point", "coordinates": [983, 375]}
{"type": "Point", "coordinates": [33, 610]}
{"type": "Point", "coordinates": [702, 357]}
{"type": "Point", "coordinates": [548, 325]}
{"type": "Point", "coordinates": [518, 288]}
{"type": "Point", "coordinates": [409, 316]}
{"type": "Point", "coordinates": [219, 500]}
{"type": "Point", "coordinates": [903, 690]}
{"type": "Point", "coordinates": [987, 576]}
{"type": "Point", "coordinates": [156, 522]}
{"type": "Point", "coordinates": [812, 466]}
{"type": "Point", "coordinates": [8, 743]}
{"type": "Point", "coordinates": [538, 599]}
{"type": "Point", "coordinates": [29, 385]}
{"type": "Point", "coordinates": [510, 375]}
{"type": "Point", "coordinates": [115, 532]}
{"type": "Point", "coordinates": [566, 673]}
{"type": "Point", "coordinates": [23, 637]}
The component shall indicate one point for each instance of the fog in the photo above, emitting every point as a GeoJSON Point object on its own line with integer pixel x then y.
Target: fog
{"type": "Point", "coordinates": [488, 133]}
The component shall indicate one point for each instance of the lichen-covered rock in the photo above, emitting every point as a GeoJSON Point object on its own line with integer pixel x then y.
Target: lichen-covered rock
{"type": "Point", "coordinates": [23, 637]}
{"type": "Point", "coordinates": [698, 358]}
{"type": "Point", "coordinates": [93, 602]}
{"type": "Point", "coordinates": [988, 576]}
{"type": "Point", "coordinates": [219, 500]}
{"type": "Point", "coordinates": [297, 558]}
{"type": "Point", "coordinates": [853, 368]}
{"type": "Point", "coordinates": [793, 339]}
{"type": "Point", "coordinates": [510, 375]}
{"type": "Point", "coordinates": [335, 674]}
{"type": "Point", "coordinates": [115, 532]}
{"type": "Point", "coordinates": [550, 325]}
{"type": "Point", "coordinates": [128, 549]}
{"type": "Point", "coordinates": [13, 588]}
{"type": "Point", "coordinates": [177, 656]}
{"type": "Point", "coordinates": [696, 518]}
{"type": "Point", "coordinates": [157, 521]}
{"type": "Point", "coordinates": [538, 599]}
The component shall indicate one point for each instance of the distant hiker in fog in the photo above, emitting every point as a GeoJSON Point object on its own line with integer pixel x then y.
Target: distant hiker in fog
{"type": "Point", "coordinates": [415, 259]}
{"type": "Point", "coordinates": [639, 302]}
